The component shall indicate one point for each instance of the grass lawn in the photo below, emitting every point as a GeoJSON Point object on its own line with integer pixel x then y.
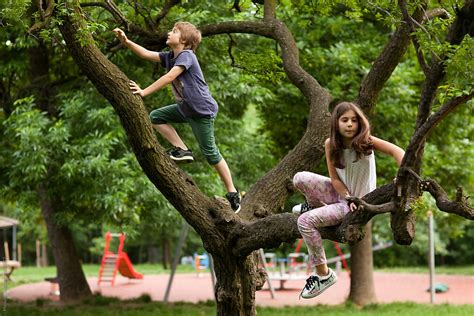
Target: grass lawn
{"type": "Point", "coordinates": [141, 307]}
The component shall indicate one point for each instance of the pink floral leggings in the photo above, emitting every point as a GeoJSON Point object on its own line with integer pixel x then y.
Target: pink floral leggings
{"type": "Point", "coordinates": [317, 188]}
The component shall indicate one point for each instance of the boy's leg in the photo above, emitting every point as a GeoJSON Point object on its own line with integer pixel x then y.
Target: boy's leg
{"type": "Point", "coordinates": [224, 173]}
{"type": "Point", "coordinates": [160, 119]}
{"type": "Point", "coordinates": [170, 134]}
{"type": "Point", "coordinates": [203, 129]}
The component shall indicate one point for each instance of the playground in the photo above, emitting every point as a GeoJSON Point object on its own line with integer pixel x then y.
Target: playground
{"type": "Point", "coordinates": [117, 278]}
{"type": "Point", "coordinates": [191, 287]}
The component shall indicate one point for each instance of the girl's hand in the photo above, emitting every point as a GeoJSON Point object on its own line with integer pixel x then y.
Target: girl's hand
{"type": "Point", "coordinates": [352, 206]}
{"type": "Point", "coordinates": [136, 89]}
{"type": "Point", "coordinates": [121, 36]}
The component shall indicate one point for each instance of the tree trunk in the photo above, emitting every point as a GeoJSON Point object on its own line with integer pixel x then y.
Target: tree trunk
{"type": "Point", "coordinates": [44, 257]}
{"type": "Point", "coordinates": [166, 252]}
{"type": "Point", "coordinates": [235, 286]}
{"type": "Point", "coordinates": [72, 281]}
{"type": "Point", "coordinates": [362, 281]}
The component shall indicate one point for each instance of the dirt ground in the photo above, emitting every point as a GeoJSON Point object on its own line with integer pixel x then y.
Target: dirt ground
{"type": "Point", "coordinates": [389, 287]}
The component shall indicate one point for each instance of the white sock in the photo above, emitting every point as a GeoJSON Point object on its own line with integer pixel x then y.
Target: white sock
{"type": "Point", "coordinates": [327, 275]}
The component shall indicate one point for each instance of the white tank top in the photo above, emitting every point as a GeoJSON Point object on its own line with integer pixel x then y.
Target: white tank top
{"type": "Point", "coordinates": [360, 177]}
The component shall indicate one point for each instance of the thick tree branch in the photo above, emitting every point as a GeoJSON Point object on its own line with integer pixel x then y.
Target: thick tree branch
{"type": "Point", "coordinates": [408, 188]}
{"type": "Point", "coordinates": [268, 233]}
{"type": "Point", "coordinates": [310, 149]}
{"type": "Point", "coordinates": [459, 206]}
{"type": "Point", "coordinates": [264, 233]}
{"type": "Point", "coordinates": [422, 132]}
{"type": "Point", "coordinates": [269, 9]}
{"type": "Point", "coordinates": [384, 65]}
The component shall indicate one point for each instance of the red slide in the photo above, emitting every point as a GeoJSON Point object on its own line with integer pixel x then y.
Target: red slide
{"type": "Point", "coordinates": [125, 267]}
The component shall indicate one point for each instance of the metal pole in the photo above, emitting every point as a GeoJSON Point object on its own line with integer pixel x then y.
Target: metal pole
{"type": "Point", "coordinates": [182, 237]}
{"type": "Point", "coordinates": [213, 275]}
{"type": "Point", "coordinates": [261, 255]}
{"type": "Point", "coordinates": [431, 258]}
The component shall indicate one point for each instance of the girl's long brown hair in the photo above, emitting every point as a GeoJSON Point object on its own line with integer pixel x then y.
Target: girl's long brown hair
{"type": "Point", "coordinates": [361, 143]}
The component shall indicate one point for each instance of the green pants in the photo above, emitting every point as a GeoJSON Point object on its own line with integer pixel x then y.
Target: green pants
{"type": "Point", "coordinates": [203, 129]}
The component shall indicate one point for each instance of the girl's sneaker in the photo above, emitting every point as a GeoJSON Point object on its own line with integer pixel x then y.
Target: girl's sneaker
{"type": "Point", "coordinates": [301, 208]}
{"type": "Point", "coordinates": [316, 285]}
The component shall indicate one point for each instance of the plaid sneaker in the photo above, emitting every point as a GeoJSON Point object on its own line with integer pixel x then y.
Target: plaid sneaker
{"type": "Point", "coordinates": [179, 154]}
{"type": "Point", "coordinates": [316, 285]}
{"type": "Point", "coordinates": [301, 208]}
{"type": "Point", "coordinates": [234, 200]}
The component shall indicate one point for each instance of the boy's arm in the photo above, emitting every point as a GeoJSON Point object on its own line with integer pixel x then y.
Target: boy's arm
{"type": "Point", "coordinates": [388, 148]}
{"type": "Point", "coordinates": [158, 84]}
{"type": "Point", "coordinates": [136, 49]}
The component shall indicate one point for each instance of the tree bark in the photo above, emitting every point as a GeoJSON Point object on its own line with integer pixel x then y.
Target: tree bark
{"type": "Point", "coordinates": [362, 291]}
{"type": "Point", "coordinates": [72, 281]}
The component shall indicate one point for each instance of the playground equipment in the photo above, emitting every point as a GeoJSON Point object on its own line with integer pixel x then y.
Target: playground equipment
{"type": "Point", "coordinates": [295, 266]}
{"type": "Point", "coordinates": [201, 263]}
{"type": "Point", "coordinates": [113, 262]}
{"type": "Point", "coordinates": [292, 267]}
{"type": "Point", "coordinates": [9, 265]}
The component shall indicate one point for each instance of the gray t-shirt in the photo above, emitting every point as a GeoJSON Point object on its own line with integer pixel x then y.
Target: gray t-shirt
{"type": "Point", "coordinates": [189, 88]}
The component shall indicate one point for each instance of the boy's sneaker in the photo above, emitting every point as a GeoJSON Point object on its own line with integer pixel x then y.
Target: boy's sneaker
{"type": "Point", "coordinates": [234, 200]}
{"type": "Point", "coordinates": [179, 154]}
{"type": "Point", "coordinates": [316, 285]}
{"type": "Point", "coordinates": [301, 208]}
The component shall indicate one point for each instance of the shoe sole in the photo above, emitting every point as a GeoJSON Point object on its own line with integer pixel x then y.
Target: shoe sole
{"type": "Point", "coordinates": [319, 293]}
{"type": "Point", "coordinates": [188, 159]}
{"type": "Point", "coordinates": [238, 210]}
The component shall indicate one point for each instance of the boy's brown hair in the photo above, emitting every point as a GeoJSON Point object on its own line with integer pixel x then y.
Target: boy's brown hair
{"type": "Point", "coordinates": [190, 35]}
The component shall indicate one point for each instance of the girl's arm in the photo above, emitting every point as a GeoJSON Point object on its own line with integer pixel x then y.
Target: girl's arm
{"type": "Point", "coordinates": [136, 49]}
{"type": "Point", "coordinates": [388, 148]}
{"type": "Point", "coordinates": [158, 84]}
{"type": "Point", "coordinates": [336, 182]}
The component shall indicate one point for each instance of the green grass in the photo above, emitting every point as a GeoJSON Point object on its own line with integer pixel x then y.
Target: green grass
{"type": "Point", "coordinates": [105, 307]}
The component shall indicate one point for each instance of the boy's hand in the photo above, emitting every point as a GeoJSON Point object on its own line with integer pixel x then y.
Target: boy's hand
{"type": "Point", "coordinates": [121, 36]}
{"type": "Point", "coordinates": [136, 89]}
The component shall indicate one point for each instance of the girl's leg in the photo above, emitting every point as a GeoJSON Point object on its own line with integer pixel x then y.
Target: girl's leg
{"type": "Point", "coordinates": [308, 224]}
{"type": "Point", "coordinates": [316, 188]}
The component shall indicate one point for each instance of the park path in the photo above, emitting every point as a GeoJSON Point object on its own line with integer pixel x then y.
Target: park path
{"type": "Point", "coordinates": [389, 287]}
